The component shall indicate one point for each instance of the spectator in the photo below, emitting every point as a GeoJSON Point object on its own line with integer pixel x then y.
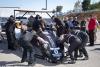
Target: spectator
{"type": "Point", "coordinates": [86, 25]}
{"type": "Point", "coordinates": [66, 24]}
{"type": "Point", "coordinates": [91, 27]}
{"type": "Point", "coordinates": [75, 24]}
{"type": "Point", "coordinates": [70, 22]}
{"type": "Point", "coordinates": [10, 32]}
{"type": "Point", "coordinates": [82, 25]}
{"type": "Point", "coordinates": [96, 29]}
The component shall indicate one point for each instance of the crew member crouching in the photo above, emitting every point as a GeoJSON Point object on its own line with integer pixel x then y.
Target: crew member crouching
{"type": "Point", "coordinates": [75, 43]}
{"type": "Point", "coordinates": [84, 38]}
{"type": "Point", "coordinates": [25, 42]}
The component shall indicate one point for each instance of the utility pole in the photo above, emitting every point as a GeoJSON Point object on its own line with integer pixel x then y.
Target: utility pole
{"type": "Point", "coordinates": [46, 4]}
{"type": "Point", "coordinates": [93, 3]}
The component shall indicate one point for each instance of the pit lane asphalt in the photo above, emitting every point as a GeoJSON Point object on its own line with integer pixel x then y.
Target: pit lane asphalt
{"type": "Point", "coordinates": [13, 58]}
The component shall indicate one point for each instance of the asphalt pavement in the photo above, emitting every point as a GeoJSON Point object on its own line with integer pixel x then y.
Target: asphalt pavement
{"type": "Point", "coordinates": [13, 58]}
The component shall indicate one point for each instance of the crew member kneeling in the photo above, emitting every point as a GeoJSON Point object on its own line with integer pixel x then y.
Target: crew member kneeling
{"type": "Point", "coordinates": [75, 43]}
{"type": "Point", "coordinates": [24, 41]}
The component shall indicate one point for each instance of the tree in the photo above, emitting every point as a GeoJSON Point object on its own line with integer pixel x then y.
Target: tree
{"type": "Point", "coordinates": [59, 8]}
{"type": "Point", "coordinates": [85, 5]}
{"type": "Point", "coordinates": [95, 6]}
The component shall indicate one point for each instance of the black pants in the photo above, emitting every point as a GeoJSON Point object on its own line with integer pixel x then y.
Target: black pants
{"type": "Point", "coordinates": [83, 29]}
{"type": "Point", "coordinates": [87, 32]}
{"type": "Point", "coordinates": [91, 37]}
{"type": "Point", "coordinates": [82, 47]}
{"type": "Point", "coordinates": [74, 46]}
{"type": "Point", "coordinates": [27, 46]}
{"type": "Point", "coordinates": [11, 40]}
{"type": "Point", "coordinates": [60, 30]}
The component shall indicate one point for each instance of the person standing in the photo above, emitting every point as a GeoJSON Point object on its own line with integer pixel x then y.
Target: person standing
{"type": "Point", "coordinates": [70, 24]}
{"type": "Point", "coordinates": [36, 24]}
{"type": "Point", "coordinates": [31, 20]}
{"type": "Point", "coordinates": [82, 25]}
{"type": "Point", "coordinates": [10, 32]}
{"type": "Point", "coordinates": [75, 24]}
{"type": "Point", "coordinates": [66, 24]}
{"type": "Point", "coordinates": [91, 27]}
{"type": "Point", "coordinates": [86, 25]}
{"type": "Point", "coordinates": [96, 29]}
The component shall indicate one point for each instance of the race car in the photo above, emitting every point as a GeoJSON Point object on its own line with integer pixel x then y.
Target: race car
{"type": "Point", "coordinates": [51, 51]}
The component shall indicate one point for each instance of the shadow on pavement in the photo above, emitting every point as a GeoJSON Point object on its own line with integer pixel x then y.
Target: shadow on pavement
{"type": "Point", "coordinates": [18, 63]}
{"type": "Point", "coordinates": [12, 63]}
{"type": "Point", "coordinates": [4, 50]}
{"type": "Point", "coordinates": [45, 62]}
{"type": "Point", "coordinates": [97, 49]}
{"type": "Point", "coordinates": [96, 44]}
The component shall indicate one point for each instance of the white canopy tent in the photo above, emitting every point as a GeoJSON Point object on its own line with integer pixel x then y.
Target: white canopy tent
{"type": "Point", "coordinates": [7, 11]}
{"type": "Point", "coordinates": [42, 13]}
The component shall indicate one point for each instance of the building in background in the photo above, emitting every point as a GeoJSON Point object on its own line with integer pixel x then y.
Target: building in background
{"type": "Point", "coordinates": [78, 7]}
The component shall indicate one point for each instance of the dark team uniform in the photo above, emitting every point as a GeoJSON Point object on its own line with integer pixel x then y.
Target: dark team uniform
{"type": "Point", "coordinates": [75, 23]}
{"type": "Point", "coordinates": [74, 45]}
{"type": "Point", "coordinates": [24, 41]}
{"type": "Point", "coordinates": [36, 25]}
{"type": "Point", "coordinates": [31, 21]}
{"type": "Point", "coordinates": [60, 29]}
{"type": "Point", "coordinates": [66, 26]}
{"type": "Point", "coordinates": [10, 34]}
{"type": "Point", "coordinates": [84, 38]}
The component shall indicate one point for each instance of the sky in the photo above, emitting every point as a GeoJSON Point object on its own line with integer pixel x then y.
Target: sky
{"type": "Point", "coordinates": [39, 4]}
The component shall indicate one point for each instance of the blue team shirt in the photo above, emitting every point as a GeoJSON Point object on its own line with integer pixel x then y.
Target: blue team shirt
{"type": "Point", "coordinates": [70, 24]}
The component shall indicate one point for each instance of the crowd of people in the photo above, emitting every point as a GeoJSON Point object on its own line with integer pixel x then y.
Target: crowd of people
{"type": "Point", "coordinates": [87, 25]}
{"type": "Point", "coordinates": [70, 31]}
